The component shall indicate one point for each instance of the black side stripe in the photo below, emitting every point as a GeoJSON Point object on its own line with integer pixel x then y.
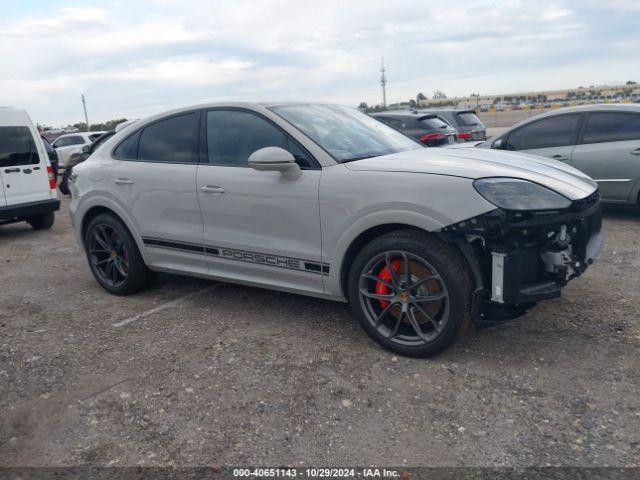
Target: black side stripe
{"type": "Point", "coordinates": [153, 242]}
{"type": "Point", "coordinates": [277, 261]}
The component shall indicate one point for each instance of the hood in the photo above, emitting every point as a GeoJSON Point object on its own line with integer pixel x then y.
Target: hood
{"type": "Point", "coordinates": [477, 163]}
{"type": "Point", "coordinates": [465, 144]}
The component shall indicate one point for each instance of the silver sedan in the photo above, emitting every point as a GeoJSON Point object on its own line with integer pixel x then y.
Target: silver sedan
{"type": "Point", "coordinates": [602, 141]}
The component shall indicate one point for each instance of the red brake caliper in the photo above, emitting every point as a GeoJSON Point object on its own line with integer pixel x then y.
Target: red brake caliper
{"type": "Point", "coordinates": [381, 288]}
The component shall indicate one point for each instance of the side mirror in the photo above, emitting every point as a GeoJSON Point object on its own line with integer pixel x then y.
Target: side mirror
{"type": "Point", "coordinates": [86, 149]}
{"type": "Point", "coordinates": [497, 144]}
{"type": "Point", "coordinates": [275, 159]}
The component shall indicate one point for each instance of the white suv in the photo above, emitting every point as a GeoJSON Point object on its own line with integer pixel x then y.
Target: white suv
{"type": "Point", "coordinates": [70, 143]}
{"type": "Point", "coordinates": [324, 200]}
{"type": "Point", "coordinates": [28, 188]}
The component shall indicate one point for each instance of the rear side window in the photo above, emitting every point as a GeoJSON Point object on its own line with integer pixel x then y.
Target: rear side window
{"type": "Point", "coordinates": [17, 147]}
{"type": "Point", "coordinates": [172, 140]}
{"type": "Point", "coordinates": [392, 122]}
{"type": "Point", "coordinates": [469, 119]}
{"type": "Point", "coordinates": [556, 131]}
{"type": "Point", "coordinates": [128, 149]}
{"type": "Point", "coordinates": [434, 123]}
{"type": "Point", "coordinates": [611, 127]}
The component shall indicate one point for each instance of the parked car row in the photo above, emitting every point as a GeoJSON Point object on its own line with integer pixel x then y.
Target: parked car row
{"type": "Point", "coordinates": [502, 106]}
{"type": "Point", "coordinates": [436, 127]}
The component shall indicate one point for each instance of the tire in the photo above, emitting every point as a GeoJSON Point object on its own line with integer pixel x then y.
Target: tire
{"type": "Point", "coordinates": [416, 313]}
{"type": "Point", "coordinates": [64, 185]}
{"type": "Point", "coordinates": [43, 221]}
{"type": "Point", "coordinates": [114, 258]}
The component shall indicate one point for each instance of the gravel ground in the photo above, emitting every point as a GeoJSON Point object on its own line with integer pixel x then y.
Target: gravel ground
{"type": "Point", "coordinates": [192, 372]}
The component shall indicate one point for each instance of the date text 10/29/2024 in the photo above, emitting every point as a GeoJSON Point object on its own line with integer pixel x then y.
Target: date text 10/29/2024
{"type": "Point", "coordinates": [364, 472]}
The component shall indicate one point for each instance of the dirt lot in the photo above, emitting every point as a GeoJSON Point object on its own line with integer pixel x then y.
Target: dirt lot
{"type": "Point", "coordinates": [194, 372]}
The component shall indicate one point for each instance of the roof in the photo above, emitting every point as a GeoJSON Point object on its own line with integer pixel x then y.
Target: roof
{"type": "Point", "coordinates": [10, 116]}
{"type": "Point", "coordinates": [99, 132]}
{"type": "Point", "coordinates": [403, 113]}
{"type": "Point", "coordinates": [447, 109]}
{"type": "Point", "coordinates": [607, 107]}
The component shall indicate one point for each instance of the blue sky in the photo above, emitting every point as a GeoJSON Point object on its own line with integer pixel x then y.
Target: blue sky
{"type": "Point", "coordinates": [134, 58]}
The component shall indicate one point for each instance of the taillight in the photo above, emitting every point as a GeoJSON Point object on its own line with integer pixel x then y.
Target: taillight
{"type": "Point", "coordinates": [431, 136]}
{"type": "Point", "coordinates": [52, 178]}
{"type": "Point", "coordinates": [464, 136]}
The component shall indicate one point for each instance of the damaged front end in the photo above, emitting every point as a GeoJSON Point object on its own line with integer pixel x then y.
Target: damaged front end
{"type": "Point", "coordinates": [521, 257]}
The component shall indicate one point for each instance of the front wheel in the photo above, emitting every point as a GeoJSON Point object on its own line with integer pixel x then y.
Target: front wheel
{"type": "Point", "coordinates": [410, 292]}
{"type": "Point", "coordinates": [114, 258]}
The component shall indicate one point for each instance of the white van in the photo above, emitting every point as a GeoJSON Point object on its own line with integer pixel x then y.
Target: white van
{"type": "Point", "coordinates": [27, 185]}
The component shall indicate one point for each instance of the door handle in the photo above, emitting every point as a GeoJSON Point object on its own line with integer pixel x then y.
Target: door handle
{"type": "Point", "coordinates": [12, 170]}
{"type": "Point", "coordinates": [636, 151]}
{"type": "Point", "coordinates": [562, 158]}
{"type": "Point", "coordinates": [123, 181]}
{"type": "Point", "coordinates": [212, 189]}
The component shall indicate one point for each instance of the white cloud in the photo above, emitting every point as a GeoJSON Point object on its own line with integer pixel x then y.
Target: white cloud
{"type": "Point", "coordinates": [140, 56]}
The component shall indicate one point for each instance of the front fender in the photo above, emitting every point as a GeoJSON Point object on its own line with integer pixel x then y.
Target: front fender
{"type": "Point", "coordinates": [373, 199]}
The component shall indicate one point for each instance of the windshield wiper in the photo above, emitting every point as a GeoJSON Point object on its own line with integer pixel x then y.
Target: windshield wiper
{"type": "Point", "coordinates": [353, 159]}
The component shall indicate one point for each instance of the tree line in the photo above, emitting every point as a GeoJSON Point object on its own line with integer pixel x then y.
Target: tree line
{"type": "Point", "coordinates": [82, 127]}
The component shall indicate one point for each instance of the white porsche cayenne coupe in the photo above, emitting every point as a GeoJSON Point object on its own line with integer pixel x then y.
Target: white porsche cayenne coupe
{"type": "Point", "coordinates": [324, 200]}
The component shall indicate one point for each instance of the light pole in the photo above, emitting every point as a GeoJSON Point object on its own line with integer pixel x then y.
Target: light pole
{"type": "Point", "coordinates": [84, 107]}
{"type": "Point", "coordinates": [383, 83]}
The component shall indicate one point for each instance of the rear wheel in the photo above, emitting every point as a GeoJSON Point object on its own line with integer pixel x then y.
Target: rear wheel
{"type": "Point", "coordinates": [64, 183]}
{"type": "Point", "coordinates": [114, 258]}
{"type": "Point", "coordinates": [42, 221]}
{"type": "Point", "coordinates": [410, 292]}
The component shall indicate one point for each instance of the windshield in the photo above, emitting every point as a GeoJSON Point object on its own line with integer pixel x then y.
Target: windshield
{"type": "Point", "coordinates": [17, 147]}
{"type": "Point", "coordinates": [346, 133]}
{"type": "Point", "coordinates": [469, 119]}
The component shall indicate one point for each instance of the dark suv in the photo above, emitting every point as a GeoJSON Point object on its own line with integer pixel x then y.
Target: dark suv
{"type": "Point", "coordinates": [429, 129]}
{"type": "Point", "coordinates": [466, 123]}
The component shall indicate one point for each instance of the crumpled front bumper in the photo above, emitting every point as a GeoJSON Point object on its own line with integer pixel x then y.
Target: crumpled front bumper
{"type": "Point", "coordinates": [520, 258]}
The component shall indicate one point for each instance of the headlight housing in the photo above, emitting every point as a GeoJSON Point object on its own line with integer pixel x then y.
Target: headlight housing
{"type": "Point", "coordinates": [516, 194]}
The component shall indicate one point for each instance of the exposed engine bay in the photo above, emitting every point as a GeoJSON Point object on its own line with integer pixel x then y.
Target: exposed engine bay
{"type": "Point", "coordinates": [519, 258]}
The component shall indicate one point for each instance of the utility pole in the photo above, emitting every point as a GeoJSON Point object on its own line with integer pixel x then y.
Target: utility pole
{"type": "Point", "coordinates": [383, 83]}
{"type": "Point", "coordinates": [84, 107]}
